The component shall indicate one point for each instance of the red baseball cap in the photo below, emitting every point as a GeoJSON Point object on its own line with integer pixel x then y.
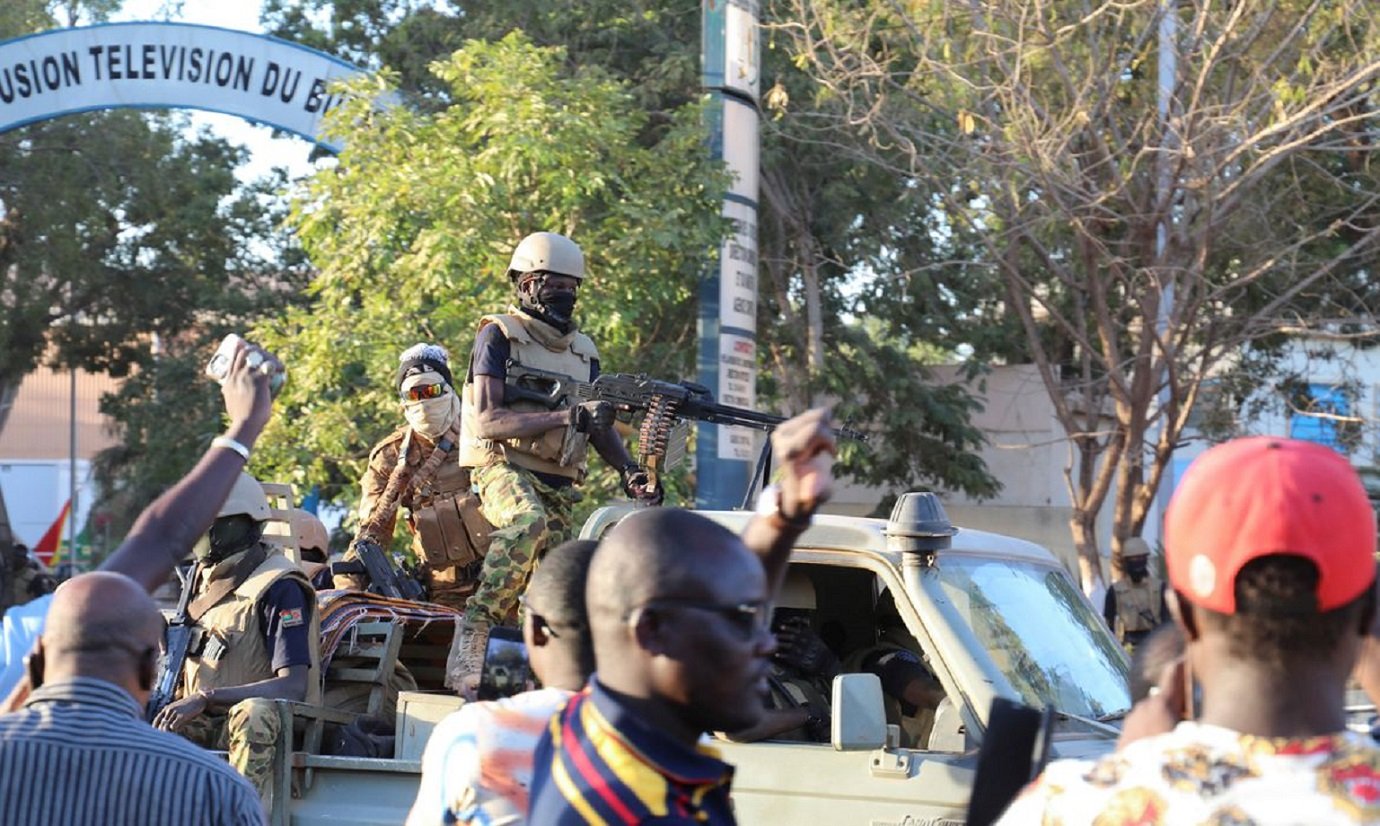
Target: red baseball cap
{"type": "Point", "coordinates": [1263, 496]}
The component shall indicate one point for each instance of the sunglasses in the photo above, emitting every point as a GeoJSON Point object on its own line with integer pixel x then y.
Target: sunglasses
{"type": "Point", "coordinates": [748, 618]}
{"type": "Point", "coordinates": [422, 392]}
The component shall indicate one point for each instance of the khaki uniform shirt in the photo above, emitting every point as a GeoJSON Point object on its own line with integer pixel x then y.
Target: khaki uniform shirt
{"type": "Point", "coordinates": [232, 650]}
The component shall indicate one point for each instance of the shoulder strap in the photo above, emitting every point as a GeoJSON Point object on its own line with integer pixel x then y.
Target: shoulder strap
{"type": "Point", "coordinates": [510, 324]}
{"type": "Point", "coordinates": [392, 491]}
{"type": "Point", "coordinates": [402, 477]}
{"type": "Point", "coordinates": [443, 448]}
{"type": "Point", "coordinates": [222, 588]}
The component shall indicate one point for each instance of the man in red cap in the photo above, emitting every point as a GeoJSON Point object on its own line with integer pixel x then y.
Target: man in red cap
{"type": "Point", "coordinates": [1269, 545]}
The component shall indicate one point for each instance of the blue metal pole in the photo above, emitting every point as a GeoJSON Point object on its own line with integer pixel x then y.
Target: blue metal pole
{"type": "Point", "coordinates": [729, 60]}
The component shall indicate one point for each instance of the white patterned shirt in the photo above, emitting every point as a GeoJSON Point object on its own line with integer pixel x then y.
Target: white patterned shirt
{"type": "Point", "coordinates": [477, 767]}
{"type": "Point", "coordinates": [1203, 774]}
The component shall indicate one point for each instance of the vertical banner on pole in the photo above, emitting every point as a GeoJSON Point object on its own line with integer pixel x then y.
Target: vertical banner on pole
{"type": "Point", "coordinates": [730, 65]}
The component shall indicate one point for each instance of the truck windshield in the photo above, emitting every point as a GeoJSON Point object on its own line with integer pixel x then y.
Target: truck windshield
{"type": "Point", "coordinates": [1040, 633]}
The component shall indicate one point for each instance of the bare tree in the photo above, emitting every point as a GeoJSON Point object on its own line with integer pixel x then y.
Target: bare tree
{"type": "Point", "coordinates": [1143, 237]}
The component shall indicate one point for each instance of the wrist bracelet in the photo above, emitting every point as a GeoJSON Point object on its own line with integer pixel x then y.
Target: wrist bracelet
{"type": "Point", "coordinates": [230, 444]}
{"type": "Point", "coordinates": [769, 505]}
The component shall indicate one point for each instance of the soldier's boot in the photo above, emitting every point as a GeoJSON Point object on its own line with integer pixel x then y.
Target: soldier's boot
{"type": "Point", "coordinates": [466, 659]}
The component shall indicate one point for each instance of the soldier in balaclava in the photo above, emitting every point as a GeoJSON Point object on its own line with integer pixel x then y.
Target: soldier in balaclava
{"type": "Point", "coordinates": [256, 638]}
{"type": "Point", "coordinates": [415, 468]}
{"type": "Point", "coordinates": [525, 456]}
{"type": "Point", "coordinates": [1135, 603]}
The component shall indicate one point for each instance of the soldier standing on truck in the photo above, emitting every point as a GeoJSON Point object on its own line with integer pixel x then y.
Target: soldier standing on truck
{"type": "Point", "coordinates": [255, 638]}
{"type": "Point", "coordinates": [1135, 602]}
{"type": "Point", "coordinates": [525, 458]}
{"type": "Point", "coordinates": [415, 467]}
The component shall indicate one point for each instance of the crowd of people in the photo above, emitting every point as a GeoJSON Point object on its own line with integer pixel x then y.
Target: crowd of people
{"type": "Point", "coordinates": [668, 630]}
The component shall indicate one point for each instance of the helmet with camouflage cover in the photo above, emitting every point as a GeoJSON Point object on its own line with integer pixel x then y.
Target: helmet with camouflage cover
{"type": "Point", "coordinates": [308, 531]}
{"type": "Point", "coordinates": [547, 252]}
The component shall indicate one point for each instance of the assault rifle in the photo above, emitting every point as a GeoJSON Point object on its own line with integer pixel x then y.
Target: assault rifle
{"type": "Point", "coordinates": [666, 409]}
{"type": "Point", "coordinates": [384, 579]}
{"type": "Point", "coordinates": [177, 641]}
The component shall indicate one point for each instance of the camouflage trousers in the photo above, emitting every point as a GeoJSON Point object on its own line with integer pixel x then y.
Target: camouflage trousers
{"type": "Point", "coordinates": [528, 516]}
{"type": "Point", "coordinates": [248, 731]}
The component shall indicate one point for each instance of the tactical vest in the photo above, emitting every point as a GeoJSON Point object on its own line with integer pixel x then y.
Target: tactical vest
{"type": "Point", "coordinates": [540, 453]}
{"type": "Point", "coordinates": [787, 691]}
{"type": "Point", "coordinates": [1137, 604]}
{"type": "Point", "coordinates": [231, 651]}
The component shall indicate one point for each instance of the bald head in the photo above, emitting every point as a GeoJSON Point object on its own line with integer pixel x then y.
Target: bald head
{"type": "Point", "coordinates": [660, 552]}
{"type": "Point", "coordinates": [101, 625]}
{"type": "Point", "coordinates": [677, 604]}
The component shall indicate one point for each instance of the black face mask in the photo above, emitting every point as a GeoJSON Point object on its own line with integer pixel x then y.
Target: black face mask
{"type": "Point", "coordinates": [556, 308]}
{"type": "Point", "coordinates": [228, 536]}
{"type": "Point", "coordinates": [560, 306]}
{"type": "Point", "coordinates": [1136, 569]}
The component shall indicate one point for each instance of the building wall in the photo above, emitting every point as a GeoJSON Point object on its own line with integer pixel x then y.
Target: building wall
{"type": "Point", "coordinates": [1027, 451]}
{"type": "Point", "coordinates": [1323, 362]}
{"type": "Point", "coordinates": [35, 448]}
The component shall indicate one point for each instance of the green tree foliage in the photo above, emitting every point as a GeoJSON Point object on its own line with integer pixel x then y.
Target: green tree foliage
{"type": "Point", "coordinates": [116, 227]}
{"type": "Point", "coordinates": [167, 410]}
{"type": "Point", "coordinates": [855, 309]}
{"type": "Point", "coordinates": [836, 233]}
{"type": "Point", "coordinates": [413, 228]}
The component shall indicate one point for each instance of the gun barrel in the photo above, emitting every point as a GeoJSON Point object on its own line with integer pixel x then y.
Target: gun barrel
{"type": "Point", "coordinates": [742, 417]}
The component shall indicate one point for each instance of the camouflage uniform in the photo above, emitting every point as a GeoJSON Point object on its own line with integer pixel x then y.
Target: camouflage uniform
{"type": "Point", "coordinates": [249, 732]}
{"type": "Point", "coordinates": [231, 652]}
{"type": "Point", "coordinates": [528, 513]}
{"type": "Point", "coordinates": [528, 516]}
{"type": "Point", "coordinates": [451, 585]}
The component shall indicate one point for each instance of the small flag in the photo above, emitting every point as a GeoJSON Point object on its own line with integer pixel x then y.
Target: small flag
{"type": "Point", "coordinates": [47, 548]}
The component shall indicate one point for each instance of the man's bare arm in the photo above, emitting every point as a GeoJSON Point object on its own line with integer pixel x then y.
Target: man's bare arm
{"type": "Point", "coordinates": [805, 447]}
{"type": "Point", "coordinates": [495, 421]}
{"type": "Point", "coordinates": [611, 447]}
{"type": "Point", "coordinates": [288, 683]}
{"type": "Point", "coordinates": [165, 532]}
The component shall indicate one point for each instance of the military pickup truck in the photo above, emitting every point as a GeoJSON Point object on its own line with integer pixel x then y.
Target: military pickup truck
{"type": "Point", "coordinates": [990, 616]}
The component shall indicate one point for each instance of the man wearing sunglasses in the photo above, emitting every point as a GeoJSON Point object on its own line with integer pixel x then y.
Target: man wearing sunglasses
{"type": "Point", "coordinates": [678, 610]}
{"type": "Point", "coordinates": [525, 457]}
{"type": "Point", "coordinates": [416, 468]}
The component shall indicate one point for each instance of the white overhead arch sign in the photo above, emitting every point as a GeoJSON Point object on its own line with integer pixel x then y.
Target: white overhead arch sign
{"type": "Point", "coordinates": [168, 65]}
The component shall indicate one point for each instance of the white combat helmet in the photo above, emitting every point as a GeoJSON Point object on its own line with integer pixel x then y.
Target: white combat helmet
{"type": "Point", "coordinates": [547, 252]}
{"type": "Point", "coordinates": [246, 497]}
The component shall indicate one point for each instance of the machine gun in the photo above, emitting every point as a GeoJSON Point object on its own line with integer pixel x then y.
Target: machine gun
{"type": "Point", "coordinates": [384, 579]}
{"type": "Point", "coordinates": [666, 409]}
{"type": "Point", "coordinates": [177, 642]}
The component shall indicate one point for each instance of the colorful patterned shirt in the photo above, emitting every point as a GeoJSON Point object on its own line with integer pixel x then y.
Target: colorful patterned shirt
{"type": "Point", "coordinates": [1209, 775]}
{"type": "Point", "coordinates": [598, 764]}
{"type": "Point", "coordinates": [477, 767]}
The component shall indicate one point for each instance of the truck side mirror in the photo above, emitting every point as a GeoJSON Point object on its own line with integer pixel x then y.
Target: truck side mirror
{"type": "Point", "coordinates": [859, 722]}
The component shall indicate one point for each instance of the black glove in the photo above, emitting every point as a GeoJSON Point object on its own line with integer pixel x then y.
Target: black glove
{"type": "Point", "coordinates": [635, 483]}
{"type": "Point", "coordinates": [587, 417]}
{"type": "Point", "coordinates": [799, 647]}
